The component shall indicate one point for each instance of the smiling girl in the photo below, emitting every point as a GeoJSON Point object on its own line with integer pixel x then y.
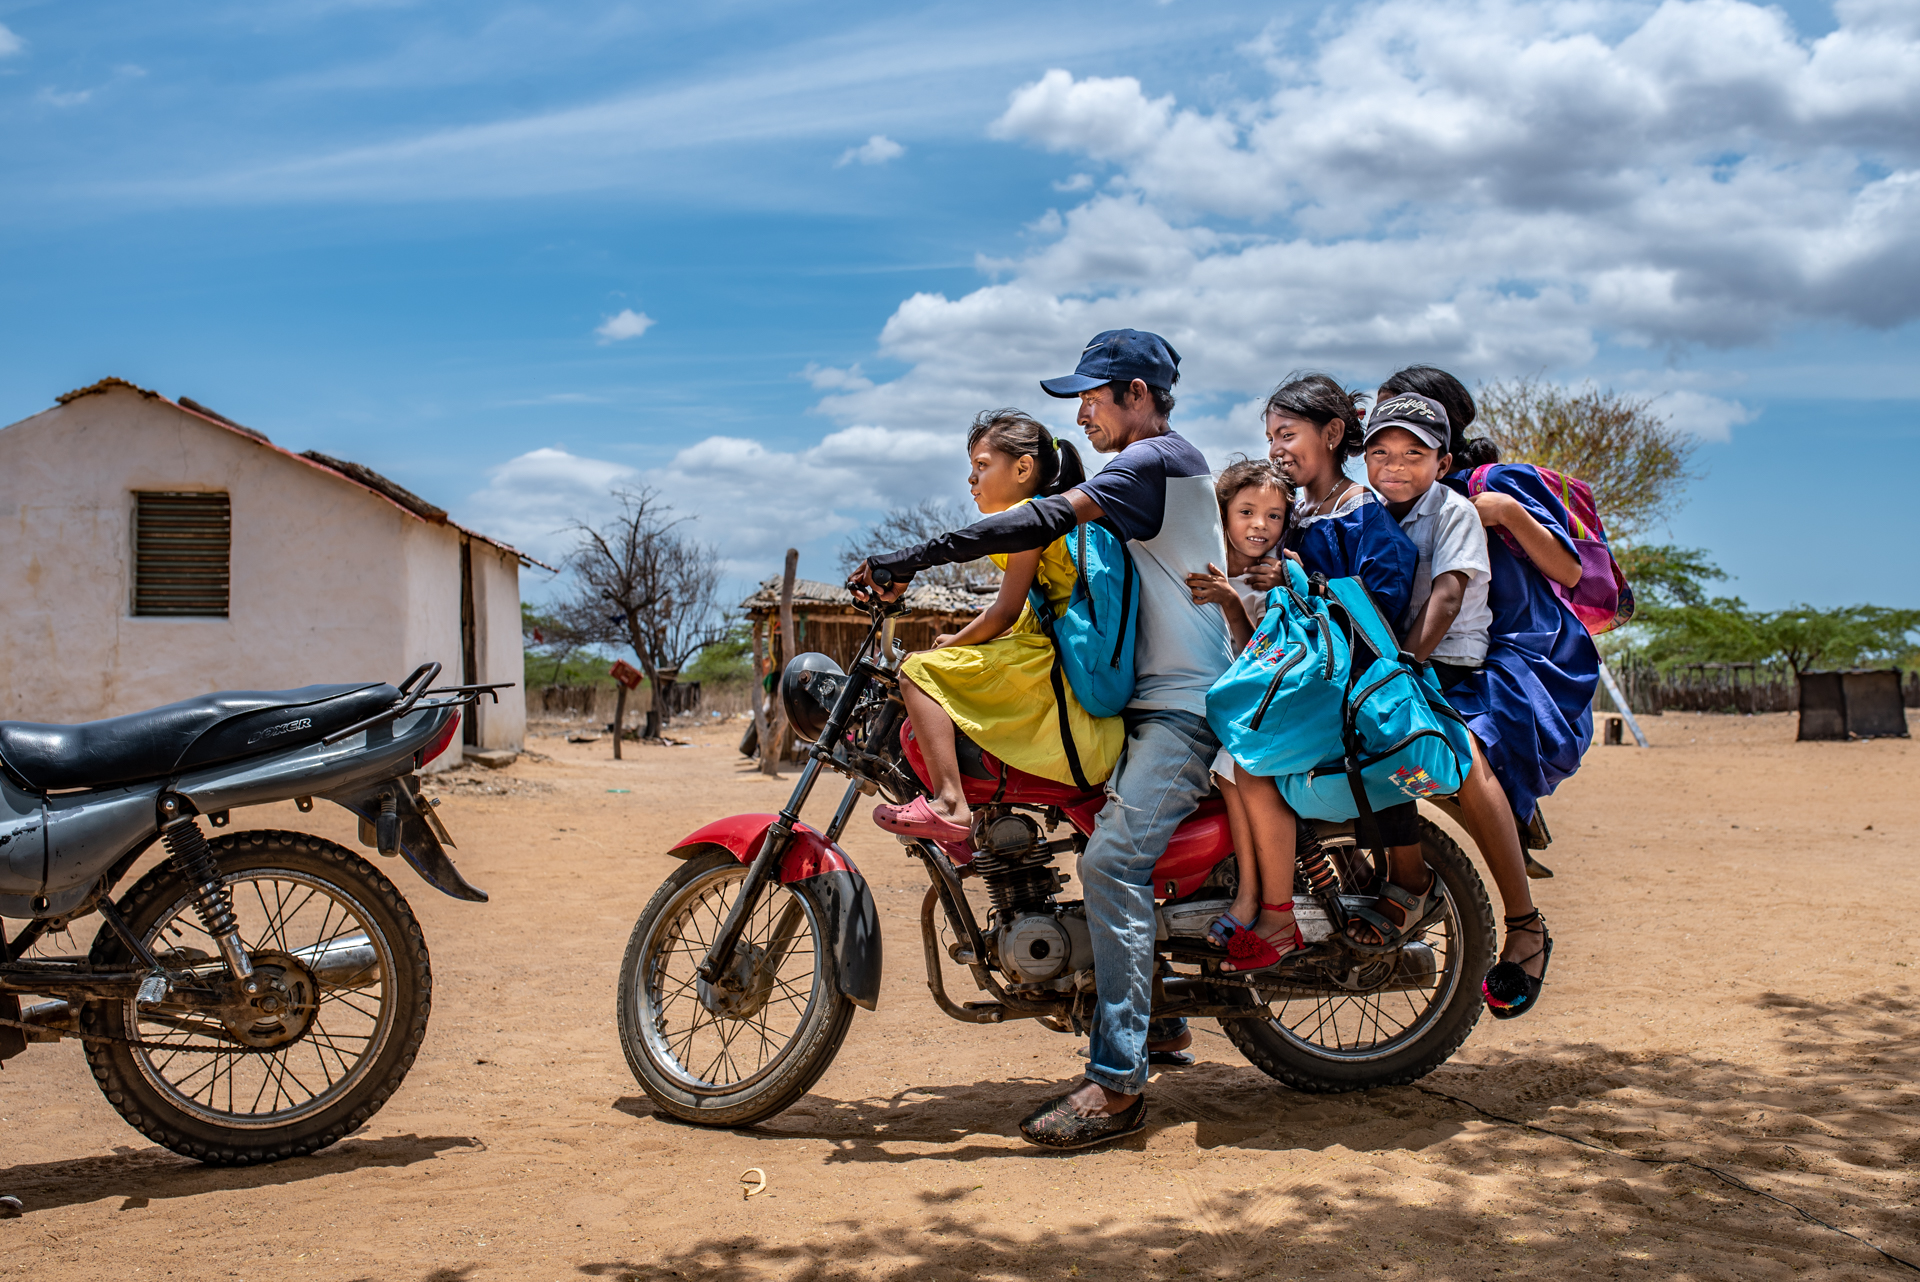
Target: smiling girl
{"type": "Point", "coordinates": [1254, 502]}
{"type": "Point", "coordinates": [992, 679]}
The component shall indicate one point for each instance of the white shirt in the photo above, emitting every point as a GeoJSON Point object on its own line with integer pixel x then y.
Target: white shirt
{"type": "Point", "coordinates": [1446, 528]}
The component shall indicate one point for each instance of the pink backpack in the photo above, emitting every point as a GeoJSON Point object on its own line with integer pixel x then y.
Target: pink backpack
{"type": "Point", "coordinates": [1602, 600]}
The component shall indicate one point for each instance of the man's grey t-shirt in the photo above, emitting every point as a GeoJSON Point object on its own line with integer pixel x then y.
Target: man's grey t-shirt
{"type": "Point", "coordinates": [1158, 493]}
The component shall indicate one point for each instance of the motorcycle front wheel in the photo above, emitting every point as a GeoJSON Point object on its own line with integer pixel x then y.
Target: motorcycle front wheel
{"type": "Point", "coordinates": [347, 990]}
{"type": "Point", "coordinates": [1387, 1021]}
{"type": "Point", "coordinates": [736, 1053]}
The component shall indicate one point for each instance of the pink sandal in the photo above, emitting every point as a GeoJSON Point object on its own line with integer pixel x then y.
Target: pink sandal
{"type": "Point", "coordinates": [917, 819]}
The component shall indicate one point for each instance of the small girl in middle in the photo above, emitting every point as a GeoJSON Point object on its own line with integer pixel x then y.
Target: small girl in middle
{"type": "Point", "coordinates": [1255, 500]}
{"type": "Point", "coordinates": [993, 678]}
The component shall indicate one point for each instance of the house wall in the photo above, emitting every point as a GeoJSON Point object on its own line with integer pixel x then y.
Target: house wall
{"type": "Point", "coordinates": [499, 646]}
{"type": "Point", "coordinates": [330, 582]}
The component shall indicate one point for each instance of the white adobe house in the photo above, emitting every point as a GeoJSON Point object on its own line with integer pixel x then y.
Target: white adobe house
{"type": "Point", "coordinates": [153, 550]}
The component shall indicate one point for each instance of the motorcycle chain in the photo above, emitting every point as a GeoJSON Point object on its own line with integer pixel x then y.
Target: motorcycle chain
{"type": "Point", "coordinates": [138, 1044]}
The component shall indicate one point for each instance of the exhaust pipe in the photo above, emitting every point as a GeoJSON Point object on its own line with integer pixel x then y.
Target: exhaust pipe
{"type": "Point", "coordinates": [347, 962]}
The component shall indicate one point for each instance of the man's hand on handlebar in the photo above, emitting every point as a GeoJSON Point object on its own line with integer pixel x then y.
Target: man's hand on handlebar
{"type": "Point", "coordinates": [863, 584]}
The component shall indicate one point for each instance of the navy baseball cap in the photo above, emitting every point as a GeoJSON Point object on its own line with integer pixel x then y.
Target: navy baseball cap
{"type": "Point", "coordinates": [1424, 417]}
{"type": "Point", "coordinates": [1119, 355]}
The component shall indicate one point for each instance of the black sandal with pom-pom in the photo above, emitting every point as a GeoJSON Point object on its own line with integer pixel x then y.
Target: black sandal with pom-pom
{"type": "Point", "coordinates": [1509, 990]}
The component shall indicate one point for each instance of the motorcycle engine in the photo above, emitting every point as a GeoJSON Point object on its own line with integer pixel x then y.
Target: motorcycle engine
{"type": "Point", "coordinates": [1033, 948]}
{"type": "Point", "coordinates": [1034, 939]}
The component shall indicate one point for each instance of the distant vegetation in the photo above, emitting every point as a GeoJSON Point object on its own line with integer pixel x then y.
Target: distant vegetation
{"type": "Point", "coordinates": [1639, 465]}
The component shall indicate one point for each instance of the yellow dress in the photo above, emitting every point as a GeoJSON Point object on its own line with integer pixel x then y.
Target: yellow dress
{"type": "Point", "coordinates": [1000, 692]}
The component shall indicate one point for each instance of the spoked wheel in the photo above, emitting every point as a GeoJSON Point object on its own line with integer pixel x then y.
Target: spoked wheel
{"type": "Point", "coordinates": [732, 1053]}
{"type": "Point", "coordinates": [1380, 1021]}
{"type": "Point", "coordinates": [340, 1012]}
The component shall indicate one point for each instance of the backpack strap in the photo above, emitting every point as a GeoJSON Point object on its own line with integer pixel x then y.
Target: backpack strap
{"type": "Point", "coordinates": [1057, 675]}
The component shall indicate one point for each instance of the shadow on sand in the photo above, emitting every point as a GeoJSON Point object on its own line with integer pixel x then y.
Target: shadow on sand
{"type": "Point", "coordinates": [143, 1176]}
{"type": "Point", "coordinates": [1424, 1185]}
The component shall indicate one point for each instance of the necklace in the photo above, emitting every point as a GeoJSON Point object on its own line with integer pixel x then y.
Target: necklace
{"type": "Point", "coordinates": [1320, 509]}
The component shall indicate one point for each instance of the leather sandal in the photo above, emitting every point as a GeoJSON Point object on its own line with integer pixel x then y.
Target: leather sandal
{"type": "Point", "coordinates": [1055, 1124]}
{"type": "Point", "coordinates": [1509, 990]}
{"type": "Point", "coordinates": [1417, 912]}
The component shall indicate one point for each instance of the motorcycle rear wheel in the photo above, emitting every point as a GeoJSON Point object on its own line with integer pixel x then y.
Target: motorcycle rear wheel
{"type": "Point", "coordinates": [296, 896]}
{"type": "Point", "coordinates": [765, 1047]}
{"type": "Point", "coordinates": [1337, 1039]}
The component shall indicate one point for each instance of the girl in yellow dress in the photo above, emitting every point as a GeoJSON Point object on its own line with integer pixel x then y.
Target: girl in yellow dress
{"type": "Point", "coordinates": [992, 678]}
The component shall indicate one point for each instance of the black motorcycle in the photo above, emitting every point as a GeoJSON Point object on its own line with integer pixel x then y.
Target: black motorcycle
{"type": "Point", "coordinates": [258, 995]}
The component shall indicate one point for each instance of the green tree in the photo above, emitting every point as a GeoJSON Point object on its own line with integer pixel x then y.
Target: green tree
{"type": "Point", "coordinates": [1637, 463]}
{"type": "Point", "coordinates": [726, 661]}
{"type": "Point", "coordinates": [1805, 638]}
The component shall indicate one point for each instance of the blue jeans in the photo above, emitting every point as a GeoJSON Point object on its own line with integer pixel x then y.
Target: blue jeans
{"type": "Point", "coordinates": [1161, 777]}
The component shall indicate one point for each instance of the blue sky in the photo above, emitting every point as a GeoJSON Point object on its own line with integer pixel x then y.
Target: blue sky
{"type": "Point", "coordinates": [398, 233]}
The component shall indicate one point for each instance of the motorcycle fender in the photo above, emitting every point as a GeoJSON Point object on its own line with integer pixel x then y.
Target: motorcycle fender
{"type": "Point", "coordinates": [835, 885]}
{"type": "Point", "coordinates": [850, 919]}
{"type": "Point", "coordinates": [418, 843]}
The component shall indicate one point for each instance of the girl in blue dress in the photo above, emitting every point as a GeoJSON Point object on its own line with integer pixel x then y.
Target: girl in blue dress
{"type": "Point", "coordinates": [1530, 704]}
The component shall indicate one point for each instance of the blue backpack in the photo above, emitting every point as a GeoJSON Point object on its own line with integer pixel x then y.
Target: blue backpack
{"type": "Point", "coordinates": [1323, 700]}
{"type": "Point", "coordinates": [1093, 637]}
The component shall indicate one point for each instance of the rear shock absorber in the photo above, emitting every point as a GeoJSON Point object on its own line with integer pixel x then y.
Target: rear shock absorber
{"type": "Point", "coordinates": [1312, 861]}
{"type": "Point", "coordinates": [212, 900]}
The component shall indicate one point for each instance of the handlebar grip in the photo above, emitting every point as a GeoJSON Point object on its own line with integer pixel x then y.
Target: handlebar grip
{"type": "Point", "coordinates": [882, 577]}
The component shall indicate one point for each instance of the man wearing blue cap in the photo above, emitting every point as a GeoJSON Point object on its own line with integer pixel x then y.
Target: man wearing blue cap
{"type": "Point", "coordinates": [1157, 493]}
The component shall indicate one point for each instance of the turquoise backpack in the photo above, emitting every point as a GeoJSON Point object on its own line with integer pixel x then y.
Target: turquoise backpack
{"type": "Point", "coordinates": [1093, 637]}
{"type": "Point", "coordinates": [1323, 700]}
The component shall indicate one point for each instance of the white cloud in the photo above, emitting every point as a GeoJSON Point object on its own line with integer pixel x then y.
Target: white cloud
{"type": "Point", "coordinates": [1497, 188]}
{"type": "Point", "coordinates": [877, 150]}
{"type": "Point", "coordinates": [530, 501]}
{"type": "Point", "coordinates": [827, 378]}
{"type": "Point", "coordinates": [1077, 182]}
{"type": "Point", "coordinates": [10, 43]}
{"type": "Point", "coordinates": [747, 499]}
{"type": "Point", "coordinates": [56, 98]}
{"type": "Point", "coordinates": [1710, 418]}
{"type": "Point", "coordinates": [622, 325]}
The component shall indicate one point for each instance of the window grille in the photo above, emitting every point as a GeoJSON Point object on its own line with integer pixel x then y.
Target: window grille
{"type": "Point", "coordinates": [182, 544]}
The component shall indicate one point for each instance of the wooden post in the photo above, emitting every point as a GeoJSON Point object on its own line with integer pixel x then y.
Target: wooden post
{"type": "Point", "coordinates": [760, 736]}
{"type": "Point", "coordinates": [773, 746]}
{"type": "Point", "coordinates": [1620, 701]}
{"type": "Point", "coordinates": [619, 719]}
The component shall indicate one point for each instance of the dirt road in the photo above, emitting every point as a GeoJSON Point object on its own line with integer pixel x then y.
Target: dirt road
{"type": "Point", "coordinates": [1734, 983]}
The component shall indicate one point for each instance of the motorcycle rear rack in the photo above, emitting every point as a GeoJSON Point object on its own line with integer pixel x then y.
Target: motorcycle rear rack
{"type": "Point", "coordinates": [413, 689]}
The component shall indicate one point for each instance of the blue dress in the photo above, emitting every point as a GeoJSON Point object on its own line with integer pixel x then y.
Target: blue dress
{"type": "Point", "coordinates": [1360, 540]}
{"type": "Point", "coordinates": [1531, 703]}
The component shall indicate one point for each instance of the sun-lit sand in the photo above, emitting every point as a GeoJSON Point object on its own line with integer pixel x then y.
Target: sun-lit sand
{"type": "Point", "coordinates": [1733, 983]}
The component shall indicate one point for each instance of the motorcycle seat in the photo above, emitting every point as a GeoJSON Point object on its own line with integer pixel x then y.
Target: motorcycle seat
{"type": "Point", "coordinates": [206, 731]}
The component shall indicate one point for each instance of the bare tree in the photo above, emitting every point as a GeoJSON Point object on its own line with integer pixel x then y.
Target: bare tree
{"type": "Point", "coordinates": [642, 583]}
{"type": "Point", "coordinates": [1637, 463]}
{"type": "Point", "coordinates": [905, 526]}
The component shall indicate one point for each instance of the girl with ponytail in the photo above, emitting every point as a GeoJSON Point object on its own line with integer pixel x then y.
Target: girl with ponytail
{"type": "Point", "coordinates": [993, 678]}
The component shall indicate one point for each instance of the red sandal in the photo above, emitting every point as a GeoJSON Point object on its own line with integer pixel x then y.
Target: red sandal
{"type": "Point", "coordinates": [1249, 951]}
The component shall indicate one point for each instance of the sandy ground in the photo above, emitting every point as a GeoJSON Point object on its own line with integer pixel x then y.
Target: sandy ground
{"type": "Point", "coordinates": [1732, 984]}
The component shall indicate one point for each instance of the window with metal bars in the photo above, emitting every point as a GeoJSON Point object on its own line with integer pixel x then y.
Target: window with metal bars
{"type": "Point", "coordinates": [182, 545]}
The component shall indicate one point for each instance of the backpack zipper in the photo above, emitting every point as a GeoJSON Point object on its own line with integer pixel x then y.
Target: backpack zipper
{"type": "Point", "coordinates": [1273, 686]}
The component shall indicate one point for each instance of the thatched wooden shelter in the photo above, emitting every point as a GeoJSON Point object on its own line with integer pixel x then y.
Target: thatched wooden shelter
{"type": "Point", "coordinates": [825, 618]}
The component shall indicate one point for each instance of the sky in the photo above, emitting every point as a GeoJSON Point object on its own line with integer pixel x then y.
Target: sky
{"type": "Point", "coordinates": [771, 259]}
